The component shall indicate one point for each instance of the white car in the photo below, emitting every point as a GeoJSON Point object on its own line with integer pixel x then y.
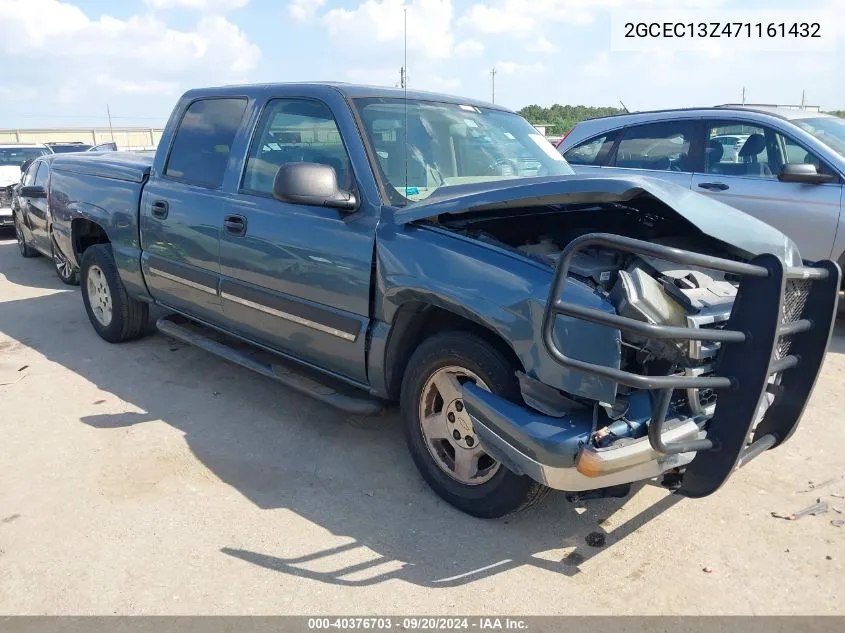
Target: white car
{"type": "Point", "coordinates": [12, 159]}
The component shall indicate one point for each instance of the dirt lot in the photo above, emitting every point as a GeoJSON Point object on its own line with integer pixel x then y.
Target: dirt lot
{"type": "Point", "coordinates": [153, 478]}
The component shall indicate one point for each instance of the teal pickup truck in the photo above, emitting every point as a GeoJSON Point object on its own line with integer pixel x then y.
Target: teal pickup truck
{"type": "Point", "coordinates": [538, 329]}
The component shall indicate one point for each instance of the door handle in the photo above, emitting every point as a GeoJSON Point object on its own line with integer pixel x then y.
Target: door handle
{"type": "Point", "coordinates": [713, 186]}
{"type": "Point", "coordinates": [160, 209]}
{"type": "Point", "coordinates": [235, 225]}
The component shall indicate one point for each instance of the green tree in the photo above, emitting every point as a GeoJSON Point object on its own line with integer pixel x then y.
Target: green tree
{"type": "Point", "coordinates": [562, 118]}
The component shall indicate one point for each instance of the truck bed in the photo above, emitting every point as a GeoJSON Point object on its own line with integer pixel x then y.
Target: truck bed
{"type": "Point", "coordinates": [115, 165]}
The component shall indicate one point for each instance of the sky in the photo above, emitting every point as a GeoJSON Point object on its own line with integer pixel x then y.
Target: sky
{"type": "Point", "coordinates": [64, 62]}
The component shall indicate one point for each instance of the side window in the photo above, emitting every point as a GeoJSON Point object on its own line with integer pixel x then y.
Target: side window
{"type": "Point", "coordinates": [734, 148]}
{"type": "Point", "coordinates": [294, 130]}
{"type": "Point", "coordinates": [660, 146]}
{"type": "Point", "coordinates": [592, 151]}
{"type": "Point", "coordinates": [203, 141]}
{"type": "Point", "coordinates": [793, 153]}
{"type": "Point", "coordinates": [41, 174]}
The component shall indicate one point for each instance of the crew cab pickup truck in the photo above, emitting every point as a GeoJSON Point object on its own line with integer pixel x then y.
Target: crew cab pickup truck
{"type": "Point", "coordinates": [538, 329]}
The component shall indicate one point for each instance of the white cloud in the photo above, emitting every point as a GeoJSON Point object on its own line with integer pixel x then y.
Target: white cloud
{"type": "Point", "coordinates": [304, 9]}
{"type": "Point", "coordinates": [492, 20]}
{"type": "Point", "coordinates": [514, 68]}
{"type": "Point", "coordinates": [429, 24]}
{"type": "Point", "coordinates": [519, 18]}
{"type": "Point", "coordinates": [207, 6]}
{"type": "Point", "coordinates": [541, 45]}
{"type": "Point", "coordinates": [145, 87]}
{"type": "Point", "coordinates": [469, 48]}
{"type": "Point", "coordinates": [59, 46]}
{"type": "Point", "coordinates": [425, 79]}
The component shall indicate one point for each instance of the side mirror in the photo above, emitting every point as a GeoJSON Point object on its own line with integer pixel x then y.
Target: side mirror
{"type": "Point", "coordinates": [32, 191]}
{"type": "Point", "coordinates": [313, 184]}
{"type": "Point", "coordinates": [805, 173]}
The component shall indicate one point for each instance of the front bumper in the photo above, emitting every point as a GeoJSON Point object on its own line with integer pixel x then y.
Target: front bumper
{"type": "Point", "coordinates": [771, 352]}
{"type": "Point", "coordinates": [6, 218]}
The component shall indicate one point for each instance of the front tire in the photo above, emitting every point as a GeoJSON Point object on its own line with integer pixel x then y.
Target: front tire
{"type": "Point", "coordinates": [64, 269]}
{"type": "Point", "coordinates": [25, 249]}
{"type": "Point", "coordinates": [115, 315]}
{"type": "Point", "coordinates": [439, 432]}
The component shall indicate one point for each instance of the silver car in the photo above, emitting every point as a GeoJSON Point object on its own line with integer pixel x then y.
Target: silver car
{"type": "Point", "coordinates": [784, 166]}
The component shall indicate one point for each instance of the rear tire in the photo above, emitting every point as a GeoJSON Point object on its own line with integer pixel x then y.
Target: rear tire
{"type": "Point", "coordinates": [115, 316]}
{"type": "Point", "coordinates": [25, 249]}
{"type": "Point", "coordinates": [461, 355]}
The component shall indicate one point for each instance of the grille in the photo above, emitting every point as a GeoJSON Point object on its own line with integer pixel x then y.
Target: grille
{"type": "Point", "coordinates": [795, 296]}
{"type": "Point", "coordinates": [5, 197]}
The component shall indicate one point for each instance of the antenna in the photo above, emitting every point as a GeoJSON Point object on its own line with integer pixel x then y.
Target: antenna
{"type": "Point", "coordinates": [624, 107]}
{"type": "Point", "coordinates": [493, 85]}
{"type": "Point", "coordinates": [802, 98]}
{"type": "Point", "coordinates": [111, 129]}
{"type": "Point", "coordinates": [405, 88]}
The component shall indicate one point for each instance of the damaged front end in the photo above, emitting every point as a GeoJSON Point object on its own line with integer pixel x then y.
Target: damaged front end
{"type": "Point", "coordinates": [718, 357]}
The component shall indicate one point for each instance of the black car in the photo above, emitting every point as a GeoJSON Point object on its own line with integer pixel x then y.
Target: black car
{"type": "Point", "coordinates": [67, 147]}
{"type": "Point", "coordinates": [34, 222]}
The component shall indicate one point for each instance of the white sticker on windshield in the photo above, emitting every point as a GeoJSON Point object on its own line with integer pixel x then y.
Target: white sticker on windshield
{"type": "Point", "coordinates": [510, 136]}
{"type": "Point", "coordinates": [543, 143]}
{"type": "Point", "coordinates": [468, 108]}
{"type": "Point", "coordinates": [470, 123]}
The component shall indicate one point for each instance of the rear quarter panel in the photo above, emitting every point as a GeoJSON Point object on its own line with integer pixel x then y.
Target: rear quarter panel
{"type": "Point", "coordinates": [111, 203]}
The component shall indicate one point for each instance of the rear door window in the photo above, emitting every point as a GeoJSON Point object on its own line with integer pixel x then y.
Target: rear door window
{"type": "Point", "coordinates": [661, 146]}
{"type": "Point", "coordinates": [204, 140]}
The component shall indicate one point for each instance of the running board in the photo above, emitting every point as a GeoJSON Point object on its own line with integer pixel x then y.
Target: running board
{"type": "Point", "coordinates": [277, 369]}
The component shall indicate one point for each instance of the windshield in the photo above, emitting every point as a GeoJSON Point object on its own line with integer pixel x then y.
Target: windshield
{"type": "Point", "coordinates": [17, 156]}
{"type": "Point", "coordinates": [829, 130]}
{"type": "Point", "coordinates": [451, 144]}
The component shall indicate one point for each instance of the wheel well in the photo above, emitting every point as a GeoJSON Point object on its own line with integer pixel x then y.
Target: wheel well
{"type": "Point", "coordinates": [86, 233]}
{"type": "Point", "coordinates": [414, 322]}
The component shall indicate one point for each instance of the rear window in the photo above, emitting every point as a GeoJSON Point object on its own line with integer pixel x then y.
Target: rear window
{"type": "Point", "coordinates": [203, 141]}
{"type": "Point", "coordinates": [67, 149]}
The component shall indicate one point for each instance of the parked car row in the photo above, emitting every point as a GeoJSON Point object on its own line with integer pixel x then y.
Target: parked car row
{"type": "Point", "coordinates": [538, 329]}
{"type": "Point", "coordinates": [15, 159]}
{"type": "Point", "coordinates": [784, 166]}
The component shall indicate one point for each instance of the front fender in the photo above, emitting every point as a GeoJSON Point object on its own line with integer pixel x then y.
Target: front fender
{"type": "Point", "coordinates": [499, 290]}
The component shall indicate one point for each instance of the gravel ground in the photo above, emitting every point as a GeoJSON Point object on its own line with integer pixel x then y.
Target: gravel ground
{"type": "Point", "coordinates": [153, 478]}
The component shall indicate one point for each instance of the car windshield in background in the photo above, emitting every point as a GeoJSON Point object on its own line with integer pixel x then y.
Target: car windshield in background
{"type": "Point", "coordinates": [17, 157]}
{"type": "Point", "coordinates": [65, 149]}
{"type": "Point", "coordinates": [451, 144]}
{"type": "Point", "coordinates": [829, 130]}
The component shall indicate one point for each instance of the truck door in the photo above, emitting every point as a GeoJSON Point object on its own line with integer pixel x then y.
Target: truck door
{"type": "Point", "coordinates": [182, 213]}
{"type": "Point", "coordinates": [297, 277]}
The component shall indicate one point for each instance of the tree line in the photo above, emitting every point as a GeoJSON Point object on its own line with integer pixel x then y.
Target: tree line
{"type": "Point", "coordinates": [562, 118]}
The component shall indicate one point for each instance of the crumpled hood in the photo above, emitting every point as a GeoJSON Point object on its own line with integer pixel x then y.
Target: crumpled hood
{"type": "Point", "coordinates": [713, 218]}
{"type": "Point", "coordinates": [9, 175]}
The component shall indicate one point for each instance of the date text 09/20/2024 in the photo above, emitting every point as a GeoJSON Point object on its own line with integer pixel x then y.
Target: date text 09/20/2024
{"type": "Point", "coordinates": [418, 623]}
